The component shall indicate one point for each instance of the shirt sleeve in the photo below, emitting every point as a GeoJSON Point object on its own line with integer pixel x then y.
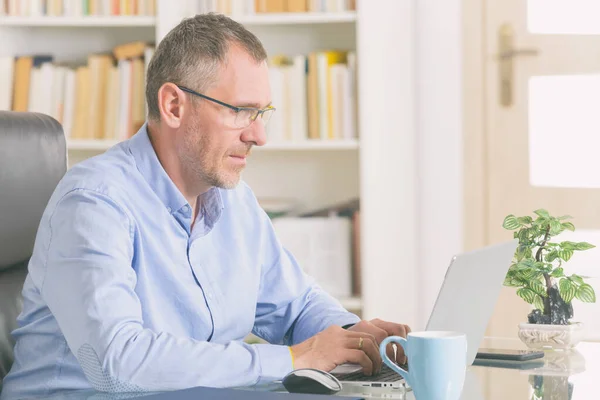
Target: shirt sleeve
{"type": "Point", "coordinates": [292, 307]}
{"type": "Point", "coordinates": [89, 286]}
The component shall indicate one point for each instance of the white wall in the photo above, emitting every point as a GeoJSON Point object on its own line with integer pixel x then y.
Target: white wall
{"type": "Point", "coordinates": [439, 143]}
{"type": "Point", "coordinates": [386, 67]}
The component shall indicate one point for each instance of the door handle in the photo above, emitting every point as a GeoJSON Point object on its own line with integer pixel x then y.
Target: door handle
{"type": "Point", "coordinates": [504, 55]}
{"type": "Point", "coordinates": [507, 53]}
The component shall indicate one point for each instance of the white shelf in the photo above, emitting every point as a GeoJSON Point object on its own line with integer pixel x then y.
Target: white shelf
{"type": "Point", "coordinates": [78, 144]}
{"type": "Point", "coordinates": [346, 144]}
{"type": "Point", "coordinates": [93, 145]}
{"type": "Point", "coordinates": [351, 303]}
{"type": "Point", "coordinates": [296, 18]}
{"type": "Point", "coordinates": [88, 21]}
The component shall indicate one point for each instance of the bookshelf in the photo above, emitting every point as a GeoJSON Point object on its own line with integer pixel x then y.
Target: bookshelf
{"type": "Point", "coordinates": [78, 22]}
{"type": "Point", "coordinates": [297, 18]}
{"type": "Point", "coordinates": [314, 145]}
{"type": "Point", "coordinates": [376, 166]}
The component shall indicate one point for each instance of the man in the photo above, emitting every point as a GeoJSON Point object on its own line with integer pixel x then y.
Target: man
{"type": "Point", "coordinates": [152, 262]}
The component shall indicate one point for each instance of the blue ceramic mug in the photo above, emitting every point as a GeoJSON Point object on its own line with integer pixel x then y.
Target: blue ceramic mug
{"type": "Point", "coordinates": [437, 363]}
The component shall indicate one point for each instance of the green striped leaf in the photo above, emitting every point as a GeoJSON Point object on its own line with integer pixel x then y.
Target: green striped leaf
{"type": "Point", "coordinates": [523, 235]}
{"type": "Point", "coordinates": [568, 226]}
{"type": "Point", "coordinates": [525, 220]}
{"type": "Point", "coordinates": [558, 273]}
{"type": "Point", "coordinates": [553, 255]}
{"type": "Point", "coordinates": [577, 279]}
{"type": "Point", "coordinates": [542, 213]}
{"type": "Point", "coordinates": [538, 302]}
{"type": "Point", "coordinates": [567, 290]}
{"type": "Point", "coordinates": [568, 245]}
{"type": "Point", "coordinates": [566, 254]}
{"type": "Point", "coordinates": [538, 288]}
{"type": "Point", "coordinates": [555, 227]}
{"type": "Point", "coordinates": [511, 223]}
{"type": "Point", "coordinates": [526, 294]}
{"type": "Point", "coordinates": [584, 246]}
{"type": "Point", "coordinates": [586, 293]}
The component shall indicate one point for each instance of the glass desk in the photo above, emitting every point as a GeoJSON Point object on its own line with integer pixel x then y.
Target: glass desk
{"type": "Point", "coordinates": [573, 375]}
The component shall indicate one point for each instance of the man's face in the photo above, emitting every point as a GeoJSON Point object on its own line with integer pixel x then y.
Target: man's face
{"type": "Point", "coordinates": [211, 148]}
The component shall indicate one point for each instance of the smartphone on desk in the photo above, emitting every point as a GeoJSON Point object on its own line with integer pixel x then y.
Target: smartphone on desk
{"type": "Point", "coordinates": [508, 355]}
{"type": "Point", "coordinates": [509, 364]}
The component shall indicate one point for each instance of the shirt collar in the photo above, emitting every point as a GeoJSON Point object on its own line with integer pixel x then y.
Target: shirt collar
{"type": "Point", "coordinates": [153, 172]}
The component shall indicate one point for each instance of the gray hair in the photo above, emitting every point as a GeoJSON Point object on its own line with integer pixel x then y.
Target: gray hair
{"type": "Point", "coordinates": [191, 53]}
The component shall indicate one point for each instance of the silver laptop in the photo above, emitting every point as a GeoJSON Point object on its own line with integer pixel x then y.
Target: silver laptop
{"type": "Point", "coordinates": [479, 275]}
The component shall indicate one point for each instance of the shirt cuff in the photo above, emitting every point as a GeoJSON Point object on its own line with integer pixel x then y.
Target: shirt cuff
{"type": "Point", "coordinates": [348, 321]}
{"type": "Point", "coordinates": [275, 362]}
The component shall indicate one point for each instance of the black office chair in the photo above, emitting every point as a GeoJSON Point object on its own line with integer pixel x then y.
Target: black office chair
{"type": "Point", "coordinates": [33, 158]}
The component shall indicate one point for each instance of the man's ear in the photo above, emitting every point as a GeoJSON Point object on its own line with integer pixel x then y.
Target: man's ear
{"type": "Point", "coordinates": [172, 104]}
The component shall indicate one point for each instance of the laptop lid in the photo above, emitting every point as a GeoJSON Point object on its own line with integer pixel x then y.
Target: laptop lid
{"type": "Point", "coordinates": [469, 293]}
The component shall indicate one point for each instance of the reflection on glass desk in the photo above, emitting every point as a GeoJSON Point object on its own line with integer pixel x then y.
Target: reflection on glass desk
{"type": "Point", "coordinates": [573, 375]}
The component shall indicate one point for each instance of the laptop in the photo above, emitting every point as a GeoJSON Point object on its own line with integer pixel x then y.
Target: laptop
{"type": "Point", "coordinates": [477, 274]}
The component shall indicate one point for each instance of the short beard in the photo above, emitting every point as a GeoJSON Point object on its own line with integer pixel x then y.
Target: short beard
{"type": "Point", "coordinates": [199, 167]}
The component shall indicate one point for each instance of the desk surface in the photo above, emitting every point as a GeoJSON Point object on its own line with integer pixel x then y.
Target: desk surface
{"type": "Point", "coordinates": [573, 375]}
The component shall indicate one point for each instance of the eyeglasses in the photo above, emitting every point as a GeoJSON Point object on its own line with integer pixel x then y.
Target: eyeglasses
{"type": "Point", "coordinates": [241, 117]}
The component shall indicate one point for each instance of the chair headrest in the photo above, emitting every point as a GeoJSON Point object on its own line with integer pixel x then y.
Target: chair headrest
{"type": "Point", "coordinates": [33, 159]}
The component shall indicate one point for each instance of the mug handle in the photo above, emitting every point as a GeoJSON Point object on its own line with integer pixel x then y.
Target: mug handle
{"type": "Point", "coordinates": [382, 351]}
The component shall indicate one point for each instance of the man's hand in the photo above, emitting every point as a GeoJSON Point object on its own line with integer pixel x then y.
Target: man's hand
{"type": "Point", "coordinates": [335, 346]}
{"type": "Point", "coordinates": [382, 329]}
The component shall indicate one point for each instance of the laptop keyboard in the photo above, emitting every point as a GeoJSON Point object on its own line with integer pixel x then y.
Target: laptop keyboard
{"type": "Point", "coordinates": [385, 375]}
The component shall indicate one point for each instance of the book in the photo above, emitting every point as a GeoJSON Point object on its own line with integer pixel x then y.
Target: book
{"type": "Point", "coordinates": [77, 8]}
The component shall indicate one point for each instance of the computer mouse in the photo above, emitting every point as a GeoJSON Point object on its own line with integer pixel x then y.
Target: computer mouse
{"type": "Point", "coordinates": [309, 380]}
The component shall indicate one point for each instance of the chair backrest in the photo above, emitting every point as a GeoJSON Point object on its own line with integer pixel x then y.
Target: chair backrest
{"type": "Point", "coordinates": [33, 159]}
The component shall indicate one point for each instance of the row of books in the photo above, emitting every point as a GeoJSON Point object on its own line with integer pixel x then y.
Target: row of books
{"type": "Point", "coordinates": [103, 99]}
{"type": "Point", "coordinates": [77, 8]}
{"type": "Point", "coordinates": [249, 7]}
{"type": "Point", "coordinates": [315, 96]}
{"type": "Point", "coordinates": [326, 244]}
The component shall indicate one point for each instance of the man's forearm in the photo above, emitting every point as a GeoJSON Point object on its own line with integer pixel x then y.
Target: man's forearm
{"type": "Point", "coordinates": [320, 311]}
{"type": "Point", "coordinates": [141, 360]}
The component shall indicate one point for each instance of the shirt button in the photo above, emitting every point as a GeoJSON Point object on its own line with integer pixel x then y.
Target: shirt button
{"type": "Point", "coordinates": [186, 208]}
{"type": "Point", "coordinates": [169, 209]}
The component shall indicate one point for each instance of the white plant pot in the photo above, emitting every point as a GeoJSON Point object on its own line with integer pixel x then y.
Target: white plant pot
{"type": "Point", "coordinates": [556, 337]}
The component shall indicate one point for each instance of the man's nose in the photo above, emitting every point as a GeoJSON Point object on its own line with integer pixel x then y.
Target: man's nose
{"type": "Point", "coordinates": [255, 133]}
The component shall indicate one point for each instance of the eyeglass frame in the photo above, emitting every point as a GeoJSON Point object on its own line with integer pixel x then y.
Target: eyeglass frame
{"type": "Point", "coordinates": [259, 111]}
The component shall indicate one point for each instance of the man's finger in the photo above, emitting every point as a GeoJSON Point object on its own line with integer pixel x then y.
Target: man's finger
{"type": "Point", "coordinates": [390, 352]}
{"type": "Point", "coordinates": [360, 357]}
{"type": "Point", "coordinates": [371, 348]}
{"type": "Point", "coordinates": [354, 334]}
{"type": "Point", "coordinates": [400, 356]}
{"type": "Point", "coordinates": [391, 328]}
{"type": "Point", "coordinates": [368, 327]}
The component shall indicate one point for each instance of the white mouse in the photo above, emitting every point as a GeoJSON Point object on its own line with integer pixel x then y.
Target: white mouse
{"type": "Point", "coordinates": [309, 380]}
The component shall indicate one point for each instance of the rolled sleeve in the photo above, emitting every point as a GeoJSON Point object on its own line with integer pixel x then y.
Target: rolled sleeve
{"type": "Point", "coordinates": [275, 362]}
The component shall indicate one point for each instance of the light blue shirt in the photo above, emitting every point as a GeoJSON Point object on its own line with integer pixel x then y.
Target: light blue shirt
{"type": "Point", "coordinates": [122, 295]}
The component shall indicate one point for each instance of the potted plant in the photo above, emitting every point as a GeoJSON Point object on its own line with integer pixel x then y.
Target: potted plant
{"type": "Point", "coordinates": [537, 271]}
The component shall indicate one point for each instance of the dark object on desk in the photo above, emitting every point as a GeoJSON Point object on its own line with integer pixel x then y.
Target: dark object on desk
{"type": "Point", "coordinates": [509, 355]}
{"type": "Point", "coordinates": [560, 311]}
{"type": "Point", "coordinates": [509, 364]}
{"type": "Point", "coordinates": [206, 393]}
{"type": "Point", "coordinates": [308, 380]}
